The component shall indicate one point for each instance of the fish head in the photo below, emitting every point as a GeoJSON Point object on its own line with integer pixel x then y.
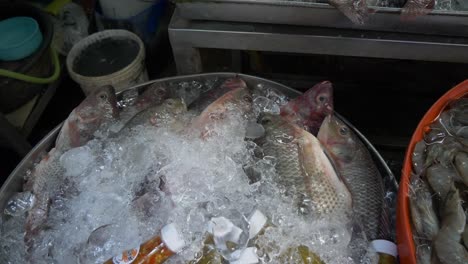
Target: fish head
{"type": "Point", "coordinates": [236, 101]}
{"type": "Point", "coordinates": [174, 106]}
{"type": "Point", "coordinates": [153, 94]}
{"type": "Point", "coordinates": [319, 99]}
{"type": "Point", "coordinates": [98, 106]}
{"type": "Point", "coordinates": [312, 107]}
{"type": "Point", "coordinates": [242, 99]}
{"type": "Point", "coordinates": [338, 139]}
{"type": "Point", "coordinates": [239, 100]}
{"type": "Point", "coordinates": [234, 83]}
{"type": "Point", "coordinates": [168, 112]}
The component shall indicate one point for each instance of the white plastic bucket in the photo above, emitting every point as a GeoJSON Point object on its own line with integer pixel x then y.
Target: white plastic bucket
{"type": "Point", "coordinates": [131, 74]}
{"type": "Point", "coordinates": [122, 9]}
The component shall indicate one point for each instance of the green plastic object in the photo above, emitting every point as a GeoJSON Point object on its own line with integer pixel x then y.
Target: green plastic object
{"type": "Point", "coordinates": [32, 79]}
{"type": "Point", "coordinates": [20, 37]}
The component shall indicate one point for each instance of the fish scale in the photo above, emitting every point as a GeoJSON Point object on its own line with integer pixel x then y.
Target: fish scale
{"type": "Point", "coordinates": [356, 167]}
{"type": "Point", "coordinates": [96, 111]}
{"type": "Point", "coordinates": [362, 188]}
{"type": "Point", "coordinates": [303, 169]}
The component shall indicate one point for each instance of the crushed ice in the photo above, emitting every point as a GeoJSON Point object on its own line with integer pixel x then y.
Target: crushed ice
{"type": "Point", "coordinates": [120, 191]}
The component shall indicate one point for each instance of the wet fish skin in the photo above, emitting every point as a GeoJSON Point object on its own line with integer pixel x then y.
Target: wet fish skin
{"type": "Point", "coordinates": [355, 165]}
{"type": "Point", "coordinates": [447, 242]}
{"type": "Point", "coordinates": [238, 100]}
{"type": "Point", "coordinates": [153, 95]}
{"type": "Point", "coordinates": [96, 109]}
{"type": "Point", "coordinates": [46, 179]}
{"type": "Point", "coordinates": [303, 168]}
{"type": "Point", "coordinates": [157, 115]}
{"type": "Point", "coordinates": [213, 94]}
{"type": "Point", "coordinates": [310, 109]}
{"type": "Point", "coordinates": [423, 214]}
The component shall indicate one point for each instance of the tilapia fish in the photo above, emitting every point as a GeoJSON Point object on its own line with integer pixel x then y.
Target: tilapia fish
{"type": "Point", "coordinates": [362, 177]}
{"type": "Point", "coordinates": [303, 168]}
{"type": "Point", "coordinates": [310, 109]}
{"type": "Point", "coordinates": [96, 110]}
{"type": "Point", "coordinates": [153, 95]}
{"type": "Point", "coordinates": [213, 94]}
{"type": "Point", "coordinates": [237, 101]}
{"type": "Point", "coordinates": [157, 115]}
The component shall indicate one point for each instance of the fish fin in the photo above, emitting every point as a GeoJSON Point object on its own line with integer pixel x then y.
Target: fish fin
{"type": "Point", "coordinates": [385, 223]}
{"type": "Point", "coordinates": [331, 158]}
{"type": "Point", "coordinates": [414, 9]}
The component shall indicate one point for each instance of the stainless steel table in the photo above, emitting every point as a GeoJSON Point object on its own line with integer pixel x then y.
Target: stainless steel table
{"type": "Point", "coordinates": [312, 28]}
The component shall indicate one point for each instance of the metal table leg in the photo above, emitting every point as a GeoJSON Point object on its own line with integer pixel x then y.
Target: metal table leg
{"type": "Point", "coordinates": [186, 56]}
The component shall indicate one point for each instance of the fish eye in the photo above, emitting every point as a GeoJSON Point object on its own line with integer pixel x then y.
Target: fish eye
{"type": "Point", "coordinates": [247, 98]}
{"type": "Point", "coordinates": [103, 96]}
{"type": "Point", "coordinates": [344, 131]}
{"type": "Point", "coordinates": [266, 120]}
{"type": "Point", "coordinates": [160, 92]}
{"type": "Point", "coordinates": [170, 102]}
{"type": "Point", "coordinates": [322, 98]}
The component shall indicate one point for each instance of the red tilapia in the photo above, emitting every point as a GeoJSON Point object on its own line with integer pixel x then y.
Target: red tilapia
{"type": "Point", "coordinates": [309, 109]}
{"type": "Point", "coordinates": [237, 101]}
{"type": "Point", "coordinates": [96, 110]}
{"type": "Point", "coordinates": [212, 95]}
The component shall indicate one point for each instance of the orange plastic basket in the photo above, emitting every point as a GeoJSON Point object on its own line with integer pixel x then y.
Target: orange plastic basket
{"type": "Point", "coordinates": [406, 248]}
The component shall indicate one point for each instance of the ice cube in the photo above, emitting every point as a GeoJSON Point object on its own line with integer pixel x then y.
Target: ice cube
{"type": "Point", "coordinates": [256, 221]}
{"type": "Point", "coordinates": [254, 130]}
{"type": "Point", "coordinates": [128, 98]}
{"type": "Point", "coordinates": [19, 203]}
{"type": "Point", "coordinates": [230, 233]}
{"type": "Point", "coordinates": [246, 256]}
{"type": "Point", "coordinates": [172, 238]}
{"type": "Point", "coordinates": [77, 160]}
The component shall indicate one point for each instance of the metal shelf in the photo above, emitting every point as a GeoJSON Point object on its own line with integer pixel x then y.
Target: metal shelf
{"type": "Point", "coordinates": [449, 23]}
{"type": "Point", "coordinates": [188, 35]}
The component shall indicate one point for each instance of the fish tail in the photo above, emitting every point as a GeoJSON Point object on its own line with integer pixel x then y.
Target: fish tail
{"type": "Point", "coordinates": [416, 8]}
{"type": "Point", "coordinates": [385, 226]}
